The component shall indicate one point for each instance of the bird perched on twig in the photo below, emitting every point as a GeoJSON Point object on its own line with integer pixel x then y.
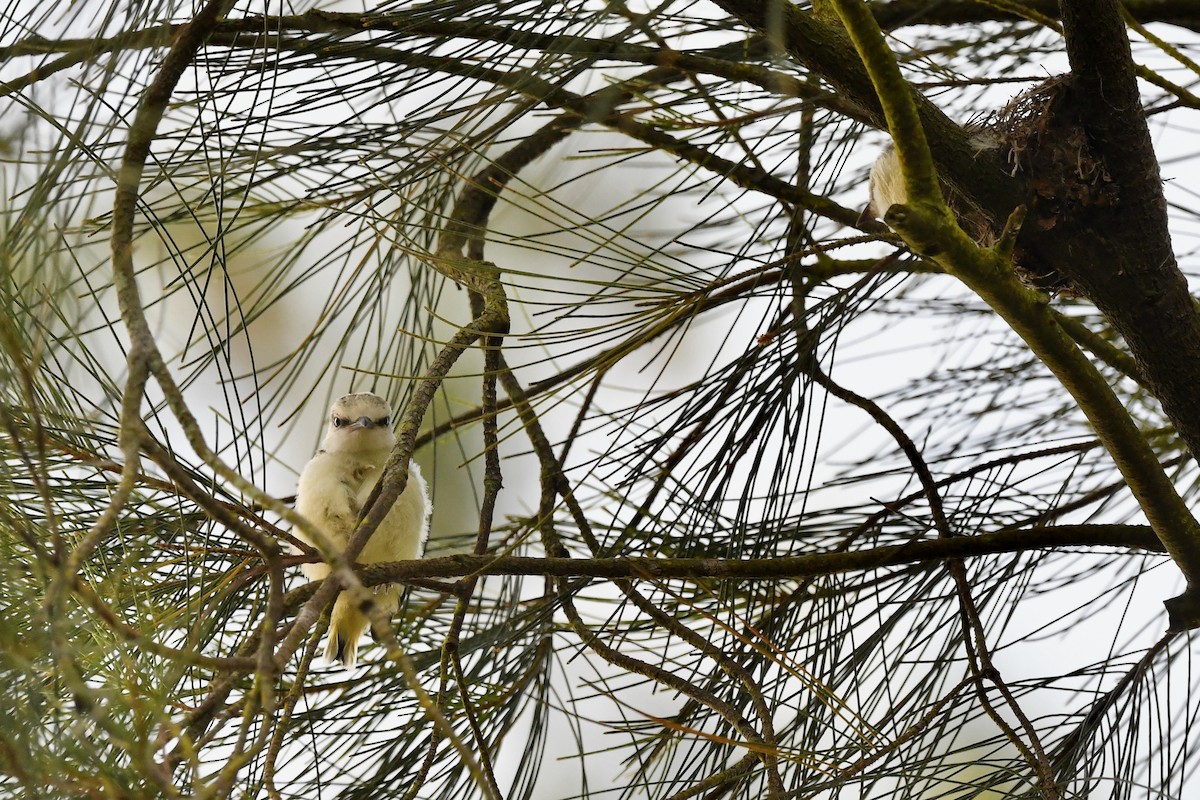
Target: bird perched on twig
{"type": "Point", "coordinates": [332, 490]}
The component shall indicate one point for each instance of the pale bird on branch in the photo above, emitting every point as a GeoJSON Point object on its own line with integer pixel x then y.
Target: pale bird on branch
{"type": "Point", "coordinates": [886, 184]}
{"type": "Point", "coordinates": [332, 490]}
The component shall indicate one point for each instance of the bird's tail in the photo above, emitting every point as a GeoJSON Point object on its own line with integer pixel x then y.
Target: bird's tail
{"type": "Point", "coordinates": [347, 623]}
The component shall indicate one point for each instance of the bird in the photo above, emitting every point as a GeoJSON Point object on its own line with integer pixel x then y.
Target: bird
{"type": "Point", "coordinates": [333, 488]}
{"type": "Point", "coordinates": [886, 184]}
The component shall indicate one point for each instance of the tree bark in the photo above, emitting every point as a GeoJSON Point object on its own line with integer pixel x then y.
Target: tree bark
{"type": "Point", "coordinates": [1121, 256]}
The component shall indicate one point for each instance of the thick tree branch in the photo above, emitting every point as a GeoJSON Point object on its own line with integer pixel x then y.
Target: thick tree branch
{"type": "Point", "coordinates": [1125, 262]}
{"type": "Point", "coordinates": [929, 227]}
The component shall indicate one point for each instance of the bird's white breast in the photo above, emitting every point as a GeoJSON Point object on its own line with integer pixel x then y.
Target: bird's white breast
{"type": "Point", "coordinates": [334, 487]}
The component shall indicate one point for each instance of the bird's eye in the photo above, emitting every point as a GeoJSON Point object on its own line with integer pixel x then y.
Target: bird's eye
{"type": "Point", "coordinates": [383, 421]}
{"type": "Point", "coordinates": [338, 422]}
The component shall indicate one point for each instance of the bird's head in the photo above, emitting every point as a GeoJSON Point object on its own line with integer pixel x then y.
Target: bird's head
{"type": "Point", "coordinates": [359, 422]}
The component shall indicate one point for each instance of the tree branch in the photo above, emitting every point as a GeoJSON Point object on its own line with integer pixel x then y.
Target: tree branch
{"type": "Point", "coordinates": [929, 227]}
{"type": "Point", "coordinates": [893, 14]}
{"type": "Point", "coordinates": [1137, 537]}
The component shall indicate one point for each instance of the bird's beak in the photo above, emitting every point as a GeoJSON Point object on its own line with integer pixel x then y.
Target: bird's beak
{"type": "Point", "coordinates": [361, 422]}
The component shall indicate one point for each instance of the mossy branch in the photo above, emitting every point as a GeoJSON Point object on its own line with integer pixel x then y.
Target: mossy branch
{"type": "Point", "coordinates": [904, 124]}
{"type": "Point", "coordinates": [1027, 312]}
{"type": "Point", "coordinates": [929, 228]}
